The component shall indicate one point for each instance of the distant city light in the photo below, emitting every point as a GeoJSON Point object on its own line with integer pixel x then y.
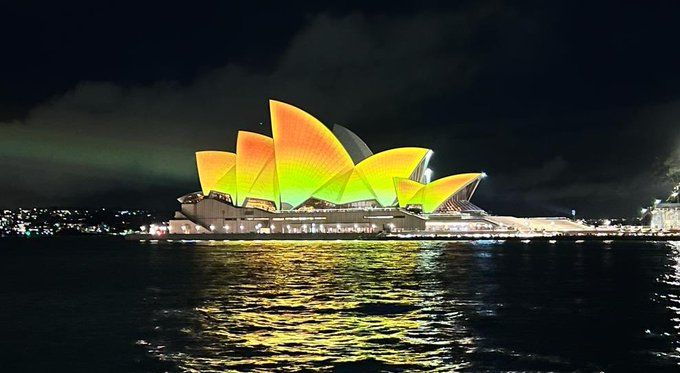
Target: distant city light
{"type": "Point", "coordinates": [48, 222]}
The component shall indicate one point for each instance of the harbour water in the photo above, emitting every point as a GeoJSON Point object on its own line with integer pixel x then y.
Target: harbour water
{"type": "Point", "coordinates": [105, 304]}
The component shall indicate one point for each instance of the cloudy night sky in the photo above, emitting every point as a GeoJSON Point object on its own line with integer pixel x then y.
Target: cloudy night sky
{"type": "Point", "coordinates": [566, 105]}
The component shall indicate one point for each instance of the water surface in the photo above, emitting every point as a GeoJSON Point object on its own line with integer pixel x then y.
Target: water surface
{"type": "Point", "coordinates": [84, 304]}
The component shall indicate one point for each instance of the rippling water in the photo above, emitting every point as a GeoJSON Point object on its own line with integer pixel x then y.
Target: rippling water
{"type": "Point", "coordinates": [108, 305]}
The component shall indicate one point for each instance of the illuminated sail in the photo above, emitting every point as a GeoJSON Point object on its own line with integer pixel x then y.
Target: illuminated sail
{"type": "Point", "coordinates": [409, 192]}
{"type": "Point", "coordinates": [255, 168]}
{"type": "Point", "coordinates": [215, 171]}
{"type": "Point", "coordinates": [379, 170]}
{"type": "Point", "coordinates": [307, 153]}
{"type": "Point", "coordinates": [431, 196]}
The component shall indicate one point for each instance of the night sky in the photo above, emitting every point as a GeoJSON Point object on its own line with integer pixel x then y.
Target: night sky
{"type": "Point", "coordinates": [565, 105]}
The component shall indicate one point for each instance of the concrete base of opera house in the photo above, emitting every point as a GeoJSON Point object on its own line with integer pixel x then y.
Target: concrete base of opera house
{"type": "Point", "coordinates": [210, 219]}
{"type": "Point", "coordinates": [210, 216]}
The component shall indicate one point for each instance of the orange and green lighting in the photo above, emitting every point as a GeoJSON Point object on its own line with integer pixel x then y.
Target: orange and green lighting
{"type": "Point", "coordinates": [303, 159]}
{"type": "Point", "coordinates": [431, 196]}
{"type": "Point", "coordinates": [214, 171]}
{"type": "Point", "coordinates": [255, 168]}
{"type": "Point", "coordinates": [308, 155]}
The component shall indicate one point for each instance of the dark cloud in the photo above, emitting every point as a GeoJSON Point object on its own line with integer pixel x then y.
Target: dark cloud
{"type": "Point", "coordinates": [488, 86]}
{"type": "Point", "coordinates": [140, 134]}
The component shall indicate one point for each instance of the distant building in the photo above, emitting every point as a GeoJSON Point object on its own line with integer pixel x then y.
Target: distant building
{"type": "Point", "coordinates": [666, 215]}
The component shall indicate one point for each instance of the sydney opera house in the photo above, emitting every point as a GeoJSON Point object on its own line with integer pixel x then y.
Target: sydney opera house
{"type": "Point", "coordinates": [309, 179]}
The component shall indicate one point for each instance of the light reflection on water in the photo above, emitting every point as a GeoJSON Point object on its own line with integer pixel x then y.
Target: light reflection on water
{"type": "Point", "coordinates": [435, 306]}
{"type": "Point", "coordinates": [671, 299]}
{"type": "Point", "coordinates": [320, 305]}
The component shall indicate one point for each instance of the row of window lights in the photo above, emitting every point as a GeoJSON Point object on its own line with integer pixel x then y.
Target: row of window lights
{"type": "Point", "coordinates": [456, 227]}
{"type": "Point", "coordinates": [321, 228]}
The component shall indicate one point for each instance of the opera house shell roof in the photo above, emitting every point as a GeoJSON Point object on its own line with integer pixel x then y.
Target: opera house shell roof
{"type": "Point", "coordinates": [304, 161]}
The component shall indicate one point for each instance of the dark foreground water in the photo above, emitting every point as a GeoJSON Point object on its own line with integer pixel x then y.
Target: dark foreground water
{"type": "Point", "coordinates": [107, 305]}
